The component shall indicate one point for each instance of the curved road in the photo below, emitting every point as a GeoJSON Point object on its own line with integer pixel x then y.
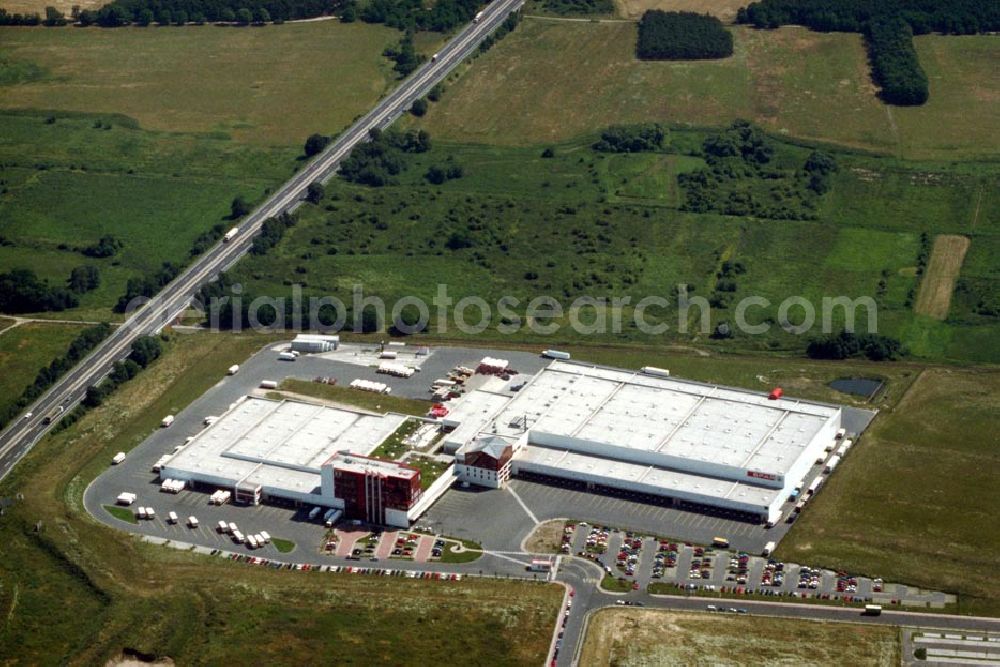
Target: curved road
{"type": "Point", "coordinates": [21, 435]}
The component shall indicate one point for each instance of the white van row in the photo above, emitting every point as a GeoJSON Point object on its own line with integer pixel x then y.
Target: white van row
{"type": "Point", "coordinates": [255, 541]}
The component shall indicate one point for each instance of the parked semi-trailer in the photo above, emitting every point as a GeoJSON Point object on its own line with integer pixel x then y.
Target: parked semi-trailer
{"type": "Point", "coordinates": [555, 354]}
{"type": "Point", "coordinates": [768, 549]}
{"type": "Point", "coordinates": [873, 610]}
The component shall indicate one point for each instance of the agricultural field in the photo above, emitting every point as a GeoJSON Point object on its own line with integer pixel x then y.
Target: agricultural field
{"type": "Point", "coordinates": [922, 483]}
{"type": "Point", "coordinates": [607, 225]}
{"type": "Point", "coordinates": [269, 86]}
{"type": "Point", "coordinates": [791, 81]}
{"type": "Point", "coordinates": [630, 637]}
{"type": "Point", "coordinates": [937, 286]}
{"type": "Point", "coordinates": [25, 349]}
{"type": "Point", "coordinates": [78, 591]}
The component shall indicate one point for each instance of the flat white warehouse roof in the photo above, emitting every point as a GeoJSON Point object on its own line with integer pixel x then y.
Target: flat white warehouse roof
{"type": "Point", "coordinates": [279, 444]}
{"type": "Point", "coordinates": [661, 418]}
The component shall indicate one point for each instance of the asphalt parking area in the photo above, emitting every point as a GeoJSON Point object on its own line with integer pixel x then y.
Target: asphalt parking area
{"type": "Point", "coordinates": [549, 501]}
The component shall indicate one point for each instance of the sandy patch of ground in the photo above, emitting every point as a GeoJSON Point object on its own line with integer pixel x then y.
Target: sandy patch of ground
{"type": "Point", "coordinates": [938, 284]}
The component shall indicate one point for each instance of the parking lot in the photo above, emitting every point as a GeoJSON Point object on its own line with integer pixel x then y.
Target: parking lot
{"type": "Point", "coordinates": [642, 559]}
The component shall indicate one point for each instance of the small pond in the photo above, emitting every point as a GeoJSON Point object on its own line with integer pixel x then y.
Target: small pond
{"type": "Point", "coordinates": [865, 387]}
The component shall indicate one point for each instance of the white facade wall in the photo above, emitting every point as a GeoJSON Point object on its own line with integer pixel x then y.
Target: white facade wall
{"type": "Point", "coordinates": [432, 493]}
{"type": "Point", "coordinates": [481, 476]}
{"type": "Point", "coordinates": [812, 451]}
{"type": "Point", "coordinates": [397, 518]}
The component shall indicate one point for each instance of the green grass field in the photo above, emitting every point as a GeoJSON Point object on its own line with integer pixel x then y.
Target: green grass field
{"type": "Point", "coordinates": [586, 223]}
{"type": "Point", "coordinates": [809, 85]}
{"type": "Point", "coordinates": [25, 349]}
{"type": "Point", "coordinates": [272, 86]}
{"type": "Point", "coordinates": [81, 592]}
{"type": "Point", "coordinates": [67, 184]}
{"type": "Point", "coordinates": [914, 501]}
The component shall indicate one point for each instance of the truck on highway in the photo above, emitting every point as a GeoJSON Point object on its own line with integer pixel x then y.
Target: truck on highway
{"type": "Point", "coordinates": [118, 458]}
{"type": "Point", "coordinates": [873, 610]}
{"type": "Point", "coordinates": [230, 235]}
{"type": "Point", "coordinates": [54, 415]}
{"type": "Point", "coordinates": [478, 16]}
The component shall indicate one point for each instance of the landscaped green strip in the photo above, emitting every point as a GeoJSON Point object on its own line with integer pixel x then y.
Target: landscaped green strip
{"type": "Point", "coordinates": [121, 513]}
{"type": "Point", "coordinates": [283, 546]}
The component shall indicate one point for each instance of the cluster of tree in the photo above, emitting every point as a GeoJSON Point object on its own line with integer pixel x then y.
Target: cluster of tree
{"type": "Point", "coordinates": [17, 18]}
{"type": "Point", "coordinates": [47, 375]}
{"type": "Point", "coordinates": [21, 291]}
{"type": "Point", "coordinates": [378, 161]}
{"type": "Point", "coordinates": [740, 179]}
{"type": "Point", "coordinates": [206, 240]}
{"type": "Point", "coordinates": [107, 246]}
{"type": "Point", "coordinates": [726, 283]}
{"type": "Point", "coordinates": [239, 208]}
{"type": "Point", "coordinates": [145, 350]}
{"type": "Point", "coordinates": [502, 31]}
{"type": "Point", "coordinates": [84, 279]}
{"type": "Point", "coordinates": [412, 15]}
{"type": "Point", "coordinates": [315, 192]}
{"type": "Point", "coordinates": [146, 286]}
{"type": "Point", "coordinates": [438, 174]}
{"type": "Point", "coordinates": [181, 12]}
{"type": "Point", "coordinates": [271, 233]}
{"type": "Point", "coordinates": [819, 168]}
{"type": "Point", "coordinates": [846, 344]}
{"type": "Point", "coordinates": [404, 55]}
{"type": "Point", "coordinates": [631, 138]}
{"type": "Point", "coordinates": [315, 144]}
{"type": "Point", "coordinates": [888, 26]}
{"type": "Point", "coordinates": [895, 66]}
{"type": "Point", "coordinates": [682, 36]}
{"type": "Point", "coordinates": [576, 7]}
{"type": "Point", "coordinates": [54, 17]}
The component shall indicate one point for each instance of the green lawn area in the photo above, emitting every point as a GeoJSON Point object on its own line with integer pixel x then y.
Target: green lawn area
{"type": "Point", "coordinates": [25, 349]}
{"type": "Point", "coordinates": [392, 447]}
{"type": "Point", "coordinates": [121, 513]}
{"type": "Point", "coordinates": [792, 81]}
{"type": "Point", "coordinates": [365, 400]}
{"type": "Point", "coordinates": [921, 483]}
{"type": "Point", "coordinates": [471, 552]}
{"type": "Point", "coordinates": [283, 546]}
{"type": "Point", "coordinates": [76, 588]}
{"type": "Point", "coordinates": [614, 584]}
{"type": "Point", "coordinates": [271, 86]}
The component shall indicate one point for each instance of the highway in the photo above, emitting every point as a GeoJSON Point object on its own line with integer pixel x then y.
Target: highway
{"type": "Point", "coordinates": [20, 436]}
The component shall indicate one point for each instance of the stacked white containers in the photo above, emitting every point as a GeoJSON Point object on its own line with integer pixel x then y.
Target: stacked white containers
{"type": "Point", "coordinates": [314, 343]}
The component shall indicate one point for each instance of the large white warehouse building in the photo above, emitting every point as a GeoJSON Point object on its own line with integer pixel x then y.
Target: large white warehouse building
{"type": "Point", "coordinates": [686, 441]}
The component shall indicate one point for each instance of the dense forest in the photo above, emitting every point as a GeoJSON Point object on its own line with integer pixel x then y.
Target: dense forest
{"type": "Point", "coordinates": [377, 162]}
{"type": "Point", "coordinates": [682, 36]}
{"type": "Point", "coordinates": [888, 27]}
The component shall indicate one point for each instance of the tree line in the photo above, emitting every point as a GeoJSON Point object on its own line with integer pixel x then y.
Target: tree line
{"type": "Point", "coordinates": [682, 36]}
{"type": "Point", "coordinates": [631, 138]}
{"type": "Point", "coordinates": [888, 27]}
{"type": "Point", "coordinates": [443, 16]}
{"type": "Point", "coordinates": [846, 344]}
{"type": "Point", "coordinates": [86, 341]}
{"type": "Point", "coordinates": [181, 12]}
